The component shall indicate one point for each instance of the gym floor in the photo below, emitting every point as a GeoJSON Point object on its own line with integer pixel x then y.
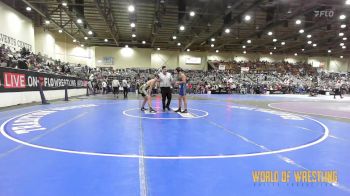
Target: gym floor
{"type": "Point", "coordinates": [99, 145]}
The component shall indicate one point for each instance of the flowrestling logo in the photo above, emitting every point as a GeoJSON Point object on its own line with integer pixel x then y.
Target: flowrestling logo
{"type": "Point", "coordinates": [14, 80]}
{"type": "Point", "coordinates": [324, 13]}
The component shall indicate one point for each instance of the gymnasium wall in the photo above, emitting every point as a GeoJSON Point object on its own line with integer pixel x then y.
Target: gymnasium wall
{"type": "Point", "coordinates": [44, 42]}
{"type": "Point", "coordinates": [72, 53]}
{"type": "Point", "coordinates": [123, 57]}
{"type": "Point", "coordinates": [16, 30]}
{"type": "Point", "coordinates": [168, 58]}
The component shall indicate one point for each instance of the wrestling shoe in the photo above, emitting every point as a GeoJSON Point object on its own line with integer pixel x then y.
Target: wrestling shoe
{"type": "Point", "coordinates": [178, 110]}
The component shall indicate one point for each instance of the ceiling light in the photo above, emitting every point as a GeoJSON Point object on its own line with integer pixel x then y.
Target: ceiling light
{"type": "Point", "coordinates": [341, 34]}
{"type": "Point", "coordinates": [212, 39]}
{"type": "Point", "coordinates": [106, 40]}
{"type": "Point", "coordinates": [192, 13]}
{"type": "Point", "coordinates": [309, 36]}
{"type": "Point", "coordinates": [174, 37]}
{"type": "Point", "coordinates": [179, 44]}
{"type": "Point", "coordinates": [74, 40]}
{"type": "Point", "coordinates": [275, 48]}
{"type": "Point", "coordinates": [64, 4]}
{"type": "Point", "coordinates": [143, 42]}
{"type": "Point", "coordinates": [227, 30]}
{"type": "Point", "coordinates": [132, 25]}
{"type": "Point", "coordinates": [131, 8]}
{"type": "Point", "coordinates": [298, 22]}
{"type": "Point", "coordinates": [249, 41]}
{"type": "Point", "coordinates": [345, 38]}
{"type": "Point", "coordinates": [182, 28]}
{"type": "Point", "coordinates": [341, 44]}
{"type": "Point", "coordinates": [90, 32]}
{"type": "Point", "coordinates": [133, 35]}
{"type": "Point", "coordinates": [343, 26]}
{"type": "Point", "coordinates": [28, 9]}
{"type": "Point", "coordinates": [303, 49]}
{"type": "Point", "coordinates": [295, 54]}
{"type": "Point", "coordinates": [301, 31]}
{"type": "Point", "coordinates": [243, 46]}
{"type": "Point", "coordinates": [216, 51]}
{"type": "Point", "coordinates": [126, 46]}
{"type": "Point", "coordinates": [244, 52]}
{"type": "Point", "coordinates": [274, 40]}
{"type": "Point", "coordinates": [85, 38]}
{"type": "Point", "coordinates": [342, 17]}
{"type": "Point", "coordinates": [79, 21]}
{"type": "Point", "coordinates": [314, 45]}
{"type": "Point", "coordinates": [270, 53]}
{"type": "Point", "coordinates": [270, 33]}
{"type": "Point", "coordinates": [60, 31]}
{"type": "Point", "coordinates": [347, 2]}
{"type": "Point", "coordinates": [341, 57]}
{"type": "Point", "coordinates": [82, 45]}
{"type": "Point", "coordinates": [188, 50]}
{"type": "Point", "coordinates": [309, 42]}
{"type": "Point", "coordinates": [212, 45]}
{"type": "Point", "coordinates": [344, 47]}
{"type": "Point", "coordinates": [47, 22]}
{"type": "Point", "coordinates": [283, 43]}
{"type": "Point", "coordinates": [329, 51]}
{"type": "Point", "coordinates": [247, 17]}
{"type": "Point", "coordinates": [158, 48]}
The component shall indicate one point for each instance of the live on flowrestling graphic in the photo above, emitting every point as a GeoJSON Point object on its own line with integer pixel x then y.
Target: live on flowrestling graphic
{"type": "Point", "coordinates": [295, 176]}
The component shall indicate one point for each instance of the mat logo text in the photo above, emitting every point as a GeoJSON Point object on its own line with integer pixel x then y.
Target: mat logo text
{"type": "Point", "coordinates": [31, 122]}
{"type": "Point", "coordinates": [302, 176]}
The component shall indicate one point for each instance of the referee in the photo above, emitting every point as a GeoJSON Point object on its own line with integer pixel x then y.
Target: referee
{"type": "Point", "coordinates": [165, 86]}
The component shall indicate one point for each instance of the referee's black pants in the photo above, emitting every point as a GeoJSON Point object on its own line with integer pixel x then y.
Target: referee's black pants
{"type": "Point", "coordinates": [166, 94]}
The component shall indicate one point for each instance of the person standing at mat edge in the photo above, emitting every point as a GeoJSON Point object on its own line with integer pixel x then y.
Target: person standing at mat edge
{"type": "Point", "coordinates": [115, 86]}
{"type": "Point", "coordinates": [337, 89]}
{"type": "Point", "coordinates": [125, 88]}
{"type": "Point", "coordinates": [182, 82]}
{"type": "Point", "coordinates": [165, 87]}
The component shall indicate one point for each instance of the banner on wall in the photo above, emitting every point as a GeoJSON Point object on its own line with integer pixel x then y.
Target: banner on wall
{"type": "Point", "coordinates": [12, 42]}
{"type": "Point", "coordinates": [244, 69]}
{"type": "Point", "coordinates": [17, 80]}
{"type": "Point", "coordinates": [193, 60]}
{"type": "Point", "coordinates": [108, 60]}
{"type": "Point", "coordinates": [222, 67]}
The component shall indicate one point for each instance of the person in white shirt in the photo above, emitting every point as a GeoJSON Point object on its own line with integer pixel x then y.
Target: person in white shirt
{"type": "Point", "coordinates": [337, 89]}
{"type": "Point", "coordinates": [165, 86]}
{"type": "Point", "coordinates": [115, 86]}
{"type": "Point", "coordinates": [104, 87]}
{"type": "Point", "coordinates": [125, 88]}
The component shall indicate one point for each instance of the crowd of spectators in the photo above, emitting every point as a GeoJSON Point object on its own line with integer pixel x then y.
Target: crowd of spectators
{"type": "Point", "coordinates": [260, 77]}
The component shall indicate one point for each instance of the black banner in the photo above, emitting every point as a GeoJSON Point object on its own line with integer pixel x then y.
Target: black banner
{"type": "Point", "coordinates": [17, 80]}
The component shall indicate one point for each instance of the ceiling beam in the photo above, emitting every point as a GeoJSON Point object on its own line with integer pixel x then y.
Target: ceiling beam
{"type": "Point", "coordinates": [233, 20]}
{"type": "Point", "coordinates": [40, 12]}
{"type": "Point", "coordinates": [74, 19]}
{"type": "Point", "coordinates": [156, 21]}
{"type": "Point", "coordinates": [291, 37]}
{"type": "Point", "coordinates": [108, 17]}
{"type": "Point", "coordinates": [273, 23]}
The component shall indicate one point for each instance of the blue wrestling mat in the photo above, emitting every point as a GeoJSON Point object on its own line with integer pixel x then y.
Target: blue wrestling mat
{"type": "Point", "coordinates": [109, 147]}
